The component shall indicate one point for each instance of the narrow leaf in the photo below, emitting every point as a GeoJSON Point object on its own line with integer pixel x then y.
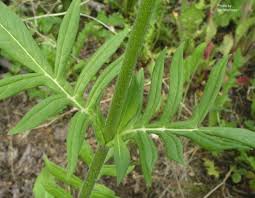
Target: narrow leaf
{"type": "Point", "coordinates": [56, 190]}
{"type": "Point", "coordinates": [110, 170]}
{"type": "Point", "coordinates": [132, 103]}
{"type": "Point", "coordinates": [240, 135]}
{"type": "Point", "coordinates": [211, 91]}
{"type": "Point", "coordinates": [75, 138]}
{"type": "Point", "coordinates": [18, 43]}
{"type": "Point", "coordinates": [101, 191]}
{"type": "Point", "coordinates": [38, 189]}
{"type": "Point", "coordinates": [214, 143]}
{"type": "Point", "coordinates": [13, 85]}
{"type": "Point", "coordinates": [61, 174]}
{"type": "Point", "coordinates": [103, 80]}
{"type": "Point", "coordinates": [121, 158]}
{"type": "Point", "coordinates": [192, 62]}
{"type": "Point", "coordinates": [148, 155]}
{"type": "Point", "coordinates": [66, 37]}
{"type": "Point", "coordinates": [176, 85]}
{"type": "Point", "coordinates": [155, 89]}
{"type": "Point", "coordinates": [173, 147]}
{"type": "Point", "coordinates": [86, 153]}
{"type": "Point", "coordinates": [40, 113]}
{"type": "Point", "coordinates": [97, 61]}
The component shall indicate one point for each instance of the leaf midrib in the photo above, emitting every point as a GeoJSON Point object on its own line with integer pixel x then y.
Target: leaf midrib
{"type": "Point", "coordinates": [70, 97]}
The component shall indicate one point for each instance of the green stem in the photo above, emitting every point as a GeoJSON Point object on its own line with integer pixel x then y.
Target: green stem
{"type": "Point", "coordinates": [131, 55]}
{"type": "Point", "coordinates": [94, 170]}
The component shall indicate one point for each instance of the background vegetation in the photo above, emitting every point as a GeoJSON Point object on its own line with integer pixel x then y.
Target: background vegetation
{"type": "Point", "coordinates": [217, 27]}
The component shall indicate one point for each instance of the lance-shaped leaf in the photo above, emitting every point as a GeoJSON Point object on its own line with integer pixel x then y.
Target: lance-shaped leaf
{"type": "Point", "coordinates": [18, 43]}
{"type": "Point", "coordinates": [97, 61]}
{"type": "Point", "coordinates": [103, 80]}
{"type": "Point", "coordinates": [133, 101]}
{"type": "Point", "coordinates": [155, 89]}
{"type": "Point", "coordinates": [212, 142]}
{"type": "Point", "coordinates": [148, 155]}
{"type": "Point", "coordinates": [86, 153]}
{"type": "Point", "coordinates": [38, 189]}
{"type": "Point", "coordinates": [56, 191]}
{"type": "Point", "coordinates": [12, 85]}
{"type": "Point", "coordinates": [101, 191]}
{"type": "Point", "coordinates": [243, 136]}
{"type": "Point", "coordinates": [192, 62]}
{"type": "Point", "coordinates": [40, 113]}
{"type": "Point", "coordinates": [110, 170]}
{"type": "Point", "coordinates": [211, 91]}
{"type": "Point", "coordinates": [61, 174]}
{"type": "Point", "coordinates": [66, 37]}
{"type": "Point", "coordinates": [176, 85]}
{"type": "Point", "coordinates": [173, 147]}
{"type": "Point", "coordinates": [75, 138]}
{"type": "Point", "coordinates": [121, 158]}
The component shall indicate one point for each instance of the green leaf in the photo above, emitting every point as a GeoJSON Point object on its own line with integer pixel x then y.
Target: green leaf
{"type": "Point", "coordinates": [61, 174]}
{"type": "Point", "coordinates": [214, 143]}
{"type": "Point", "coordinates": [110, 170]}
{"type": "Point", "coordinates": [133, 103]}
{"type": "Point", "coordinates": [212, 170]}
{"type": "Point", "coordinates": [101, 191]}
{"type": "Point", "coordinates": [12, 85]}
{"type": "Point", "coordinates": [103, 80]}
{"type": "Point", "coordinates": [97, 61]}
{"type": "Point", "coordinates": [86, 153]}
{"type": "Point", "coordinates": [148, 155]}
{"type": "Point", "coordinates": [176, 85]}
{"type": "Point", "coordinates": [38, 189]}
{"type": "Point", "coordinates": [243, 27]}
{"type": "Point", "coordinates": [173, 147]}
{"type": "Point", "coordinates": [66, 38]}
{"type": "Point", "coordinates": [211, 91]}
{"type": "Point", "coordinates": [18, 43]}
{"type": "Point", "coordinates": [75, 138]}
{"type": "Point", "coordinates": [192, 62]}
{"type": "Point", "coordinates": [40, 113]}
{"type": "Point", "coordinates": [56, 191]}
{"type": "Point", "coordinates": [243, 136]}
{"type": "Point", "coordinates": [155, 89]}
{"type": "Point", "coordinates": [121, 158]}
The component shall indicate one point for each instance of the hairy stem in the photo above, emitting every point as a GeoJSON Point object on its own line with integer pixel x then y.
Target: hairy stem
{"type": "Point", "coordinates": [94, 170]}
{"type": "Point", "coordinates": [134, 46]}
{"type": "Point", "coordinates": [131, 55]}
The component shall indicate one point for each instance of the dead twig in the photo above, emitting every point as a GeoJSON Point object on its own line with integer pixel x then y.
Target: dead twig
{"type": "Point", "coordinates": [219, 185]}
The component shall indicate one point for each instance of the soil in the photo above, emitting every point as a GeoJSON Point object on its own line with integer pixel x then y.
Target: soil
{"type": "Point", "coordinates": [21, 161]}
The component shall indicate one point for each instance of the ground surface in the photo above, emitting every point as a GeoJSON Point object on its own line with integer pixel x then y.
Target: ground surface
{"type": "Point", "coordinates": [21, 161]}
